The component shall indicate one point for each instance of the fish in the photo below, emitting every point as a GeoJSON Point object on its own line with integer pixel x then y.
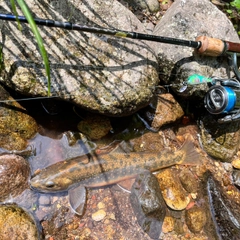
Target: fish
{"type": "Point", "coordinates": [93, 170]}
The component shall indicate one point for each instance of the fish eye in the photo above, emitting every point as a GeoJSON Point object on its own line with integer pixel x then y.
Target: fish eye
{"type": "Point", "coordinates": [50, 184]}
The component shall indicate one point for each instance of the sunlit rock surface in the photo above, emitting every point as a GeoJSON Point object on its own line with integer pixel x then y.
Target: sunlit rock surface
{"type": "Point", "coordinates": [15, 223]}
{"type": "Point", "coordinates": [109, 75]}
{"type": "Point", "coordinates": [188, 19]}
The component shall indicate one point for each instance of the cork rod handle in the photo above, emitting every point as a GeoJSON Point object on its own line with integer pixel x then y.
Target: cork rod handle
{"type": "Point", "coordinates": [215, 47]}
{"type": "Point", "coordinates": [211, 46]}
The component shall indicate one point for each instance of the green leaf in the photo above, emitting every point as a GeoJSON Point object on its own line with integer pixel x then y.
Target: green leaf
{"type": "Point", "coordinates": [236, 4]}
{"type": "Point", "coordinates": [38, 37]}
{"type": "Point", "coordinates": [16, 14]}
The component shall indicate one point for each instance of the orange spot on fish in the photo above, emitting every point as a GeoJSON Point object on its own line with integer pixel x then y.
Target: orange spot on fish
{"type": "Point", "coordinates": [37, 171]}
{"type": "Point", "coordinates": [190, 205]}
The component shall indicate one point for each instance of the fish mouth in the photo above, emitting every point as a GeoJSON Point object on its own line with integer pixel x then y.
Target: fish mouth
{"type": "Point", "coordinates": [36, 189]}
{"type": "Point", "coordinates": [45, 190]}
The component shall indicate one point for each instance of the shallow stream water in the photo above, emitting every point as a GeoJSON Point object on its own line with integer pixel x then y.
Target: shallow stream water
{"type": "Point", "coordinates": [108, 213]}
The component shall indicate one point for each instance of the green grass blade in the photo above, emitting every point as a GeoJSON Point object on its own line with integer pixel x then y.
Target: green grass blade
{"type": "Point", "coordinates": [38, 37]}
{"type": "Point", "coordinates": [16, 14]}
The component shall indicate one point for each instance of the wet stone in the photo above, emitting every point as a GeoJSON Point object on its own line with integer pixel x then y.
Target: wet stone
{"type": "Point", "coordinates": [220, 141]}
{"type": "Point", "coordinates": [86, 232]}
{"type": "Point", "coordinates": [177, 63]}
{"type": "Point", "coordinates": [163, 109]}
{"type": "Point", "coordinates": [148, 204]}
{"type": "Point", "coordinates": [227, 166]}
{"type": "Point", "coordinates": [224, 210]}
{"type": "Point", "coordinates": [168, 224]}
{"type": "Point", "coordinates": [195, 219]}
{"type": "Point", "coordinates": [16, 126]}
{"type": "Point", "coordinates": [236, 178]}
{"type": "Point", "coordinates": [11, 140]}
{"type": "Point", "coordinates": [168, 110]}
{"type": "Point", "coordinates": [14, 175]}
{"type": "Point", "coordinates": [101, 205]}
{"type": "Point", "coordinates": [44, 200]}
{"type": "Point", "coordinates": [173, 193]}
{"type": "Point", "coordinates": [15, 223]}
{"type": "Point", "coordinates": [188, 180]}
{"type": "Point", "coordinates": [236, 163]}
{"type": "Point", "coordinates": [99, 215]}
{"type": "Point", "coordinates": [178, 226]}
{"type": "Point", "coordinates": [95, 126]}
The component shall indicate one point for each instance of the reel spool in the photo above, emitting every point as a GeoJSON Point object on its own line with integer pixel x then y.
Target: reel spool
{"type": "Point", "coordinates": [224, 99]}
{"type": "Point", "coordinates": [220, 99]}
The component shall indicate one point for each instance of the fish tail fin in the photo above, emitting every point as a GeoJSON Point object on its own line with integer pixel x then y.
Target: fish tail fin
{"type": "Point", "coordinates": [191, 157]}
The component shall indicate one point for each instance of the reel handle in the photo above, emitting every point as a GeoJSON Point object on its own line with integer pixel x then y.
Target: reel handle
{"type": "Point", "coordinates": [215, 47]}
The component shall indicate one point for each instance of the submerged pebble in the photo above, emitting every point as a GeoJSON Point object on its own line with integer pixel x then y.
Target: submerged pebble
{"type": "Point", "coordinates": [173, 193]}
{"type": "Point", "coordinates": [14, 175]}
{"type": "Point", "coordinates": [95, 126]}
{"type": "Point", "coordinates": [236, 163]}
{"type": "Point", "coordinates": [188, 180]}
{"type": "Point", "coordinates": [148, 204]}
{"type": "Point", "coordinates": [168, 224]}
{"type": "Point", "coordinates": [195, 219]}
{"type": "Point", "coordinates": [16, 224]}
{"type": "Point", "coordinates": [99, 215]}
{"type": "Point", "coordinates": [44, 200]}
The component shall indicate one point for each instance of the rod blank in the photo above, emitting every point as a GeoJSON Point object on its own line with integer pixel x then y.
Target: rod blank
{"type": "Point", "coordinates": [204, 45]}
{"type": "Point", "coordinates": [107, 31]}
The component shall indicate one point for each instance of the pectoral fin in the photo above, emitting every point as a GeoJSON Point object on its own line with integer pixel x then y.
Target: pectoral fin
{"type": "Point", "coordinates": [77, 199]}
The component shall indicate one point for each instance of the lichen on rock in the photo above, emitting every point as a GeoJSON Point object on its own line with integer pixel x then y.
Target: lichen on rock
{"type": "Point", "coordinates": [105, 74]}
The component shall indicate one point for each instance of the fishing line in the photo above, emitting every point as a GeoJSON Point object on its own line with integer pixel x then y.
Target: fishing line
{"type": "Point", "coordinates": [192, 80]}
{"type": "Point", "coordinates": [27, 99]}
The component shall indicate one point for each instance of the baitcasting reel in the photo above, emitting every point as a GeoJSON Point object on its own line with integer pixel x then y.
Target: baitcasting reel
{"type": "Point", "coordinates": [224, 96]}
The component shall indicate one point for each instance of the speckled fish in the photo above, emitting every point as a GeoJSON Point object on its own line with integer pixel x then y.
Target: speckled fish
{"type": "Point", "coordinates": [110, 168]}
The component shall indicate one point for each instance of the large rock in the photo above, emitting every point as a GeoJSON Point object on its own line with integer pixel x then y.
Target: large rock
{"type": "Point", "coordinates": [188, 19]}
{"type": "Point", "coordinates": [113, 76]}
{"type": "Point", "coordinates": [149, 5]}
{"type": "Point", "coordinates": [16, 223]}
{"type": "Point", "coordinates": [14, 176]}
{"type": "Point", "coordinates": [220, 141]}
{"type": "Point", "coordinates": [16, 126]}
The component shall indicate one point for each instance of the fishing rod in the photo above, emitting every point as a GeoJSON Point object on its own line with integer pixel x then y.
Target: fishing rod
{"type": "Point", "coordinates": [203, 44]}
{"type": "Point", "coordinates": [222, 98]}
